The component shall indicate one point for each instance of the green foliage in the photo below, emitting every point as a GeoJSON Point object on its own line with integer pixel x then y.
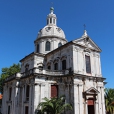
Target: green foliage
{"type": "Point", "coordinates": [8, 72]}
{"type": "Point", "coordinates": [54, 105]}
{"type": "Point", "coordinates": [109, 100]}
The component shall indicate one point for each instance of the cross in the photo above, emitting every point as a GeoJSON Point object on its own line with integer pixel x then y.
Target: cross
{"type": "Point", "coordinates": [84, 26]}
{"type": "Point", "coordinates": [51, 4]}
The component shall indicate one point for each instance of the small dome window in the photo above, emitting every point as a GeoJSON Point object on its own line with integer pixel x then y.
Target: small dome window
{"type": "Point", "coordinates": [38, 48]}
{"type": "Point", "coordinates": [50, 20]}
{"type": "Point", "coordinates": [59, 44]}
{"type": "Point", "coordinates": [47, 46]}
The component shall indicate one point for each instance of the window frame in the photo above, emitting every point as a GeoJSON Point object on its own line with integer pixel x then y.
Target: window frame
{"type": "Point", "coordinates": [59, 44]}
{"type": "Point", "coordinates": [47, 46]}
{"type": "Point", "coordinates": [38, 48]}
{"type": "Point", "coordinates": [27, 92]}
{"type": "Point", "coordinates": [10, 93]}
{"type": "Point", "coordinates": [54, 91]}
{"type": "Point", "coordinates": [88, 64]}
{"type": "Point", "coordinates": [56, 66]}
{"type": "Point", "coordinates": [64, 66]}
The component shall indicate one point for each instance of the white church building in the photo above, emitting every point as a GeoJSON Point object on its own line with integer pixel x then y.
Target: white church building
{"type": "Point", "coordinates": [57, 67]}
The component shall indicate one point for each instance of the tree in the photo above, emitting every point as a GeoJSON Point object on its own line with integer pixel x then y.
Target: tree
{"type": "Point", "coordinates": [8, 72]}
{"type": "Point", "coordinates": [109, 100]}
{"type": "Point", "coordinates": [54, 105]}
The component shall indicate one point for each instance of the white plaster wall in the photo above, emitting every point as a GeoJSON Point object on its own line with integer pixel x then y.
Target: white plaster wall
{"type": "Point", "coordinates": [53, 44]}
{"type": "Point", "coordinates": [66, 52]}
{"type": "Point", "coordinates": [79, 65]}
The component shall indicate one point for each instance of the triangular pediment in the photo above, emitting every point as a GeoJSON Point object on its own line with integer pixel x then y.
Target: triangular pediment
{"type": "Point", "coordinates": [87, 42]}
{"type": "Point", "coordinates": [92, 90]}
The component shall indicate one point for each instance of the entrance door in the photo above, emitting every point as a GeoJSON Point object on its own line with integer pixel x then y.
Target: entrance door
{"type": "Point", "coordinates": [26, 109]}
{"type": "Point", "coordinates": [54, 91]}
{"type": "Point", "coordinates": [91, 106]}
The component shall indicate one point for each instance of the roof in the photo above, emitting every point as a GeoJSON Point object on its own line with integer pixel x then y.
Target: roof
{"type": "Point", "coordinates": [31, 54]}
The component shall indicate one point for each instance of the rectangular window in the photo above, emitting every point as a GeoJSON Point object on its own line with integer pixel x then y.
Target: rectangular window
{"type": "Point", "coordinates": [10, 92]}
{"type": "Point", "coordinates": [88, 64]}
{"type": "Point", "coordinates": [50, 20]}
{"type": "Point", "coordinates": [37, 48]}
{"type": "Point", "coordinates": [8, 109]}
{"type": "Point", "coordinates": [54, 91]}
{"type": "Point", "coordinates": [27, 93]}
{"type": "Point", "coordinates": [63, 64]}
{"type": "Point", "coordinates": [26, 109]}
{"type": "Point", "coordinates": [56, 66]}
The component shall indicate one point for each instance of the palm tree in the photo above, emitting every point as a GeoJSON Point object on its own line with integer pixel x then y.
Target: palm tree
{"type": "Point", "coordinates": [54, 106]}
{"type": "Point", "coordinates": [109, 100]}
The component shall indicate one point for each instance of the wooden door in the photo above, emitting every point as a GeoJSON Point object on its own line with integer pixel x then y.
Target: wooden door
{"type": "Point", "coordinates": [54, 91]}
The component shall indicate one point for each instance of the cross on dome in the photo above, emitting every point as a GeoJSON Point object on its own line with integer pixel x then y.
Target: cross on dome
{"type": "Point", "coordinates": [51, 10]}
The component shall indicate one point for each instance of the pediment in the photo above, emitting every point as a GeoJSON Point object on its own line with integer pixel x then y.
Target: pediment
{"type": "Point", "coordinates": [91, 90]}
{"type": "Point", "coordinates": [88, 43]}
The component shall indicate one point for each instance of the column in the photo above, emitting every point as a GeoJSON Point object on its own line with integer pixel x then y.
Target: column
{"type": "Point", "coordinates": [99, 101]}
{"type": "Point", "coordinates": [13, 101]}
{"type": "Point", "coordinates": [59, 64]}
{"type": "Point", "coordinates": [68, 62]}
{"type": "Point", "coordinates": [80, 99]}
{"type": "Point", "coordinates": [22, 102]}
{"type": "Point", "coordinates": [103, 101]}
{"type": "Point", "coordinates": [96, 107]}
{"type": "Point", "coordinates": [41, 46]}
{"type": "Point", "coordinates": [86, 107]}
{"type": "Point", "coordinates": [76, 103]}
{"type": "Point", "coordinates": [4, 105]}
{"type": "Point", "coordinates": [33, 91]}
{"type": "Point", "coordinates": [99, 65]}
{"type": "Point", "coordinates": [30, 92]}
{"type": "Point", "coordinates": [36, 97]}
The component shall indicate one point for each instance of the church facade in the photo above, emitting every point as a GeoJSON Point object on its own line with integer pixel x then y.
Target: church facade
{"type": "Point", "coordinates": [57, 67]}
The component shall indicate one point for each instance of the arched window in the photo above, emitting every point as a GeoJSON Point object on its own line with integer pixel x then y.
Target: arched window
{"type": "Point", "coordinates": [47, 46]}
{"type": "Point", "coordinates": [37, 48]}
{"type": "Point", "coordinates": [49, 67]}
{"type": "Point", "coordinates": [59, 44]}
{"type": "Point", "coordinates": [88, 64]}
{"type": "Point", "coordinates": [26, 67]}
{"type": "Point", "coordinates": [56, 66]}
{"type": "Point", "coordinates": [63, 64]}
{"type": "Point", "coordinates": [27, 92]}
{"type": "Point", "coordinates": [50, 20]}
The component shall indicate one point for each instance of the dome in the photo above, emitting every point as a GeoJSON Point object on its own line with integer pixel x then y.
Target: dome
{"type": "Point", "coordinates": [51, 30]}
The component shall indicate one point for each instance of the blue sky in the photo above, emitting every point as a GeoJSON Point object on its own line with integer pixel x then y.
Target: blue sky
{"type": "Point", "coordinates": [20, 21]}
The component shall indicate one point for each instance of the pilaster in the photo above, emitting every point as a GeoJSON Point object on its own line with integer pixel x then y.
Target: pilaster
{"type": "Point", "coordinates": [36, 96]}
{"type": "Point", "coordinates": [30, 92]}
{"type": "Point", "coordinates": [103, 102]}
{"type": "Point", "coordinates": [99, 100]}
{"type": "Point", "coordinates": [80, 99]}
{"type": "Point", "coordinates": [76, 97]}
